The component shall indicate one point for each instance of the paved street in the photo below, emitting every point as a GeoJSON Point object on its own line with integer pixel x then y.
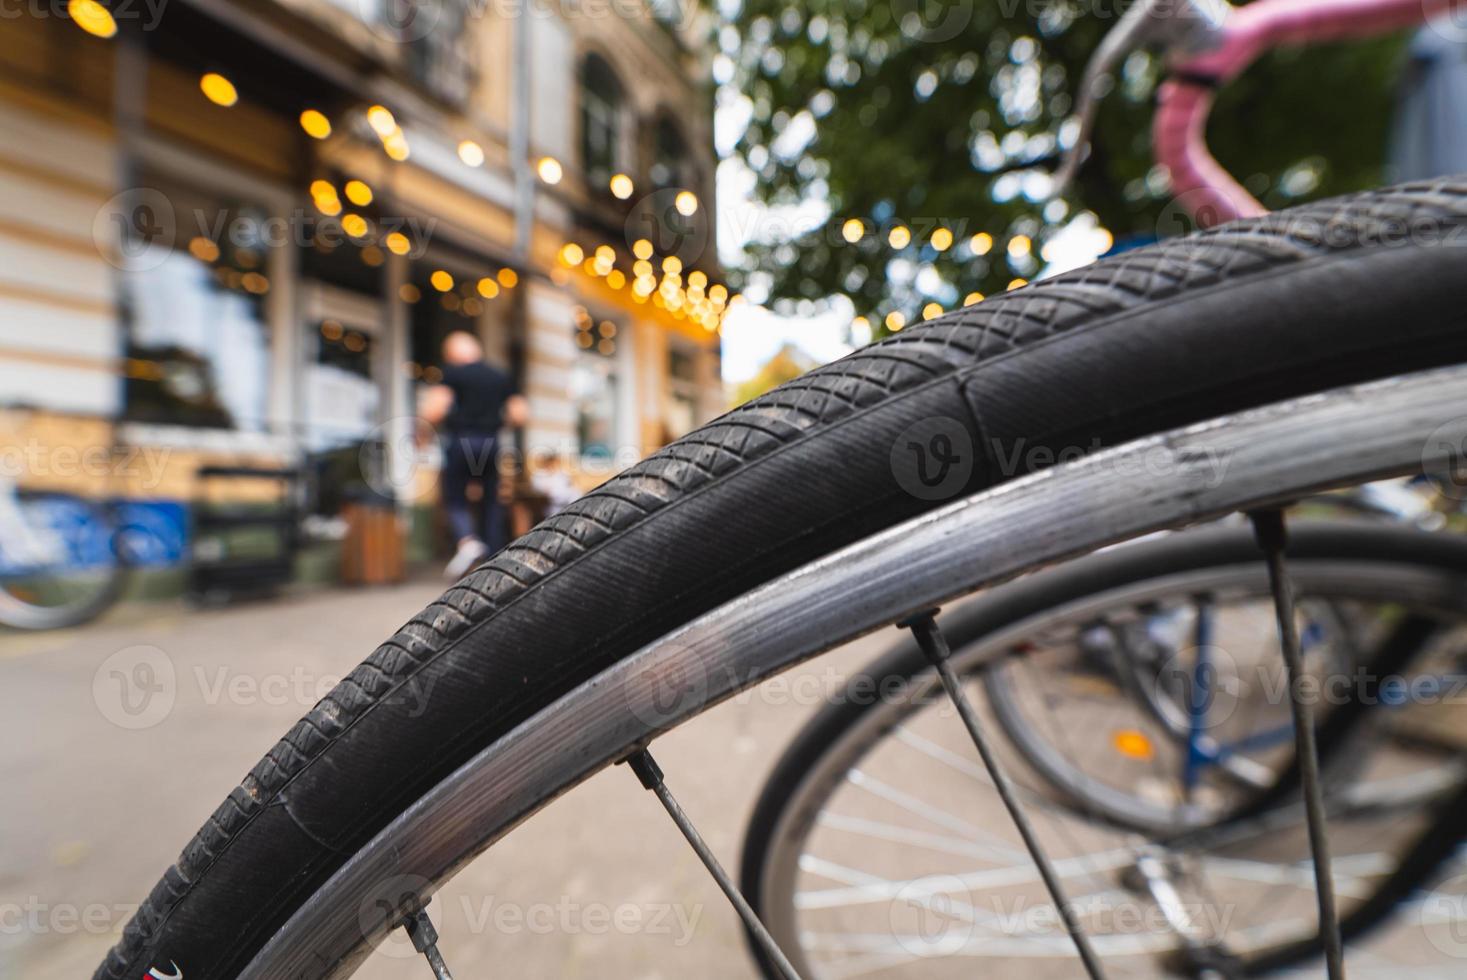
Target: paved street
{"type": "Point", "coordinates": [599, 885]}
{"type": "Point", "coordinates": [100, 795]}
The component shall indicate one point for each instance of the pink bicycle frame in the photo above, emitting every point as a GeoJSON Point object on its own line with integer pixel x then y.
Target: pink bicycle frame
{"type": "Point", "coordinates": [1179, 135]}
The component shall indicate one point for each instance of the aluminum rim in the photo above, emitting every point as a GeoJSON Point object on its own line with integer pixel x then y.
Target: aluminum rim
{"type": "Point", "coordinates": [1272, 454]}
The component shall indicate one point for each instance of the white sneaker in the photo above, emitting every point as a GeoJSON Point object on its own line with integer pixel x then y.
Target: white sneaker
{"type": "Point", "coordinates": [469, 554]}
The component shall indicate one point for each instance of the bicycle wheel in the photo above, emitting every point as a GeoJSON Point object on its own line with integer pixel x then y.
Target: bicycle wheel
{"type": "Point", "coordinates": [1238, 318]}
{"type": "Point", "coordinates": [840, 847]}
{"type": "Point", "coordinates": [1187, 679]}
{"type": "Point", "coordinates": [62, 559]}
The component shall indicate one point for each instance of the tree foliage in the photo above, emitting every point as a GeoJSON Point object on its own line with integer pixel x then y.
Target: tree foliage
{"type": "Point", "coordinates": [916, 109]}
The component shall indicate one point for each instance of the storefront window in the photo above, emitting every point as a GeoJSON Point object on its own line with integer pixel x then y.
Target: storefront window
{"type": "Point", "coordinates": [198, 352]}
{"type": "Point", "coordinates": [595, 386]}
{"type": "Point", "coordinates": [342, 392]}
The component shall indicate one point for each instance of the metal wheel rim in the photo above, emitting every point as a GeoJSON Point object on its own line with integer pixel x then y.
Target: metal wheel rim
{"type": "Point", "coordinates": [1426, 590]}
{"type": "Point", "coordinates": [1275, 453]}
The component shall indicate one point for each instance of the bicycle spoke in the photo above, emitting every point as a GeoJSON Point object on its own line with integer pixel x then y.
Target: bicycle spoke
{"type": "Point", "coordinates": [1270, 529]}
{"type": "Point", "coordinates": [425, 940]}
{"type": "Point", "coordinates": [934, 646]}
{"type": "Point", "coordinates": [647, 770]}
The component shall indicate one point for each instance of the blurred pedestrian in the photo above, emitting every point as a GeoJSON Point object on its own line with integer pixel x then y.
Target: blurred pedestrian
{"type": "Point", "coordinates": [472, 404]}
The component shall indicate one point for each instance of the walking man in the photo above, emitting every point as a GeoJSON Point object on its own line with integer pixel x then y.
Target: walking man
{"type": "Point", "coordinates": [470, 406]}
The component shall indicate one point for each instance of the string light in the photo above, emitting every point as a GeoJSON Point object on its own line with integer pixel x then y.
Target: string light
{"type": "Point", "coordinates": [981, 243]}
{"type": "Point", "coordinates": [218, 89]}
{"type": "Point", "coordinates": [508, 278]}
{"type": "Point", "coordinates": [1020, 246]}
{"type": "Point", "coordinates": [397, 243]}
{"type": "Point", "coordinates": [441, 281]}
{"type": "Point", "coordinates": [932, 311]}
{"type": "Point", "coordinates": [622, 186]}
{"type": "Point", "coordinates": [972, 299]}
{"type": "Point", "coordinates": [571, 254]}
{"type": "Point", "coordinates": [942, 239]}
{"type": "Point", "coordinates": [396, 146]}
{"type": "Point", "coordinates": [642, 249]}
{"type": "Point", "coordinates": [354, 225]}
{"type": "Point", "coordinates": [358, 193]}
{"type": "Point", "coordinates": [550, 170]}
{"type": "Point", "coordinates": [92, 17]}
{"type": "Point", "coordinates": [316, 125]}
{"type": "Point", "coordinates": [488, 288]}
{"type": "Point", "coordinates": [853, 230]}
{"type": "Point", "coordinates": [471, 153]}
{"type": "Point", "coordinates": [686, 203]}
{"type": "Point", "coordinates": [1018, 284]}
{"type": "Point", "coordinates": [380, 118]}
{"type": "Point", "coordinates": [895, 320]}
{"type": "Point", "coordinates": [900, 237]}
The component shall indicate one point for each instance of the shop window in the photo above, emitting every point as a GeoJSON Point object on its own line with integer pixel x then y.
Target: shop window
{"type": "Point", "coordinates": [596, 386]}
{"type": "Point", "coordinates": [198, 350]}
{"type": "Point", "coordinates": [342, 391]}
{"type": "Point", "coordinates": [601, 111]}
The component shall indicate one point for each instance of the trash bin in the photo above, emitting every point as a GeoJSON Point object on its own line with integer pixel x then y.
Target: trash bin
{"type": "Point", "coordinates": [372, 552]}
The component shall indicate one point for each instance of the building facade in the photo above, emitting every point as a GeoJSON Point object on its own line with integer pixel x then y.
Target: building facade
{"type": "Point", "coordinates": [235, 235]}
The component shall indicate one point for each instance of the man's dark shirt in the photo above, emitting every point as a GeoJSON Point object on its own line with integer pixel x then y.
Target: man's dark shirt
{"type": "Point", "coordinates": [479, 394]}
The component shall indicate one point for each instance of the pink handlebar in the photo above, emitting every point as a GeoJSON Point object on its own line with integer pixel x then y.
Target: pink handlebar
{"type": "Point", "coordinates": [1180, 128]}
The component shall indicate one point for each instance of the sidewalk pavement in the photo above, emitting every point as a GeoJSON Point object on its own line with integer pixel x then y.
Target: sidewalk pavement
{"type": "Point", "coordinates": [94, 807]}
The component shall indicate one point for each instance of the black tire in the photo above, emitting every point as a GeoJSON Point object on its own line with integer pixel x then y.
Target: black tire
{"type": "Point", "coordinates": [1028, 600]}
{"type": "Point", "coordinates": [1240, 316]}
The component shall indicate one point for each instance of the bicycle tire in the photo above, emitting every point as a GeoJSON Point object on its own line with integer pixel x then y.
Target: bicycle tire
{"type": "Point", "coordinates": [1011, 609]}
{"type": "Point", "coordinates": [1236, 317]}
{"type": "Point", "coordinates": [17, 612]}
